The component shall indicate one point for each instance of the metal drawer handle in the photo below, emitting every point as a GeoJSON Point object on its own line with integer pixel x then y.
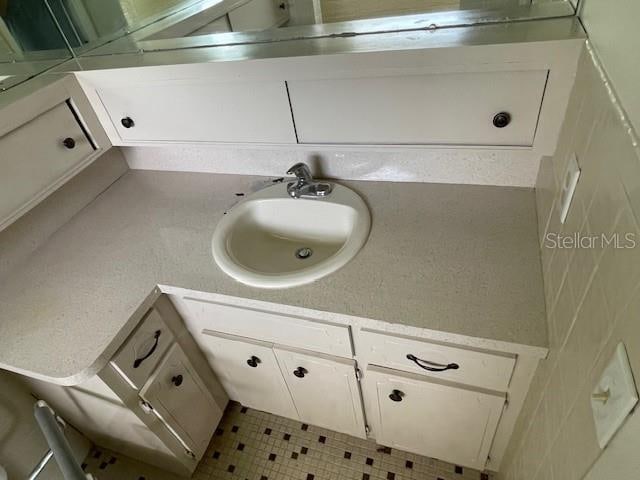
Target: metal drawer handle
{"type": "Point", "coordinates": [432, 366]}
{"type": "Point", "coordinates": [138, 361]}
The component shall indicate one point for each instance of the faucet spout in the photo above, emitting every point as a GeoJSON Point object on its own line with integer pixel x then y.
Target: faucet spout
{"type": "Point", "coordinates": [305, 186]}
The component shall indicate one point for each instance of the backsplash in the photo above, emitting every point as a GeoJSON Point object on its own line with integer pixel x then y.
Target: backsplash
{"type": "Point", "coordinates": [477, 166]}
{"type": "Point", "coordinates": [592, 294]}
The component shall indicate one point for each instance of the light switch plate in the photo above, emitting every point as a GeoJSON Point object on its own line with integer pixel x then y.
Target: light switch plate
{"type": "Point", "coordinates": [614, 396]}
{"type": "Point", "coordinates": [571, 176]}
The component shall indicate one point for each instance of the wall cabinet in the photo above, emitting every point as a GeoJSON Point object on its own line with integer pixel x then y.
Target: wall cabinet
{"type": "Point", "coordinates": [447, 109]}
{"type": "Point", "coordinates": [37, 156]}
{"type": "Point", "coordinates": [447, 421]}
{"type": "Point", "coordinates": [200, 111]}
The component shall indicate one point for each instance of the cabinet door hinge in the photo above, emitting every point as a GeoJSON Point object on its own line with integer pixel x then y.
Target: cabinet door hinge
{"type": "Point", "coordinates": [367, 430]}
{"type": "Point", "coordinates": [358, 374]}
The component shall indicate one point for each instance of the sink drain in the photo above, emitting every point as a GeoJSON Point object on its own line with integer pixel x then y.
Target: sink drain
{"type": "Point", "coordinates": [303, 253]}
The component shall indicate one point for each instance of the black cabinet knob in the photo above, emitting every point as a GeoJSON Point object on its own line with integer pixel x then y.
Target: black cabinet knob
{"type": "Point", "coordinates": [69, 143]}
{"type": "Point", "coordinates": [253, 361]}
{"type": "Point", "coordinates": [501, 120]}
{"type": "Point", "coordinates": [127, 122]}
{"type": "Point", "coordinates": [300, 372]}
{"type": "Point", "coordinates": [177, 380]}
{"type": "Point", "coordinates": [396, 395]}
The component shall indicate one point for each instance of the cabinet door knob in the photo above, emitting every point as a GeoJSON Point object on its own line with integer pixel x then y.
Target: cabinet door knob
{"type": "Point", "coordinates": [396, 395]}
{"type": "Point", "coordinates": [69, 143]}
{"type": "Point", "coordinates": [127, 122]}
{"type": "Point", "coordinates": [177, 380]}
{"type": "Point", "coordinates": [254, 361]}
{"type": "Point", "coordinates": [300, 372]}
{"type": "Point", "coordinates": [501, 120]}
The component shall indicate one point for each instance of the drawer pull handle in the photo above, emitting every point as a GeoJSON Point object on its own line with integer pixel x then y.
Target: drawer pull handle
{"type": "Point", "coordinates": [69, 143]}
{"type": "Point", "coordinates": [432, 366]}
{"type": "Point", "coordinates": [127, 122]}
{"type": "Point", "coordinates": [396, 395]}
{"type": "Point", "coordinates": [254, 361]}
{"type": "Point", "coordinates": [501, 120]}
{"type": "Point", "coordinates": [177, 380]}
{"type": "Point", "coordinates": [300, 372]}
{"type": "Point", "coordinates": [138, 361]}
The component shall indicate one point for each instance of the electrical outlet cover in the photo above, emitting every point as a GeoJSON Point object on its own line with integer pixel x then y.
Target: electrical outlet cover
{"type": "Point", "coordinates": [617, 380]}
{"type": "Point", "coordinates": [571, 176]}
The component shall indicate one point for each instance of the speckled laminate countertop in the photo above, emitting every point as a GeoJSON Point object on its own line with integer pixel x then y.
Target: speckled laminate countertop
{"type": "Point", "coordinates": [454, 258]}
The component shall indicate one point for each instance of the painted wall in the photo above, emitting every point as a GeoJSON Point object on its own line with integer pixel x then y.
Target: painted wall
{"type": "Point", "coordinates": [592, 295]}
{"type": "Point", "coordinates": [613, 30]}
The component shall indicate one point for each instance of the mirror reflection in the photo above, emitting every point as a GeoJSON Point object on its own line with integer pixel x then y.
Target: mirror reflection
{"type": "Point", "coordinates": [38, 34]}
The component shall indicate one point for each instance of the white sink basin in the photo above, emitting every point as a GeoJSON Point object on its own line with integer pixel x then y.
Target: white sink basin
{"type": "Point", "coordinates": [270, 240]}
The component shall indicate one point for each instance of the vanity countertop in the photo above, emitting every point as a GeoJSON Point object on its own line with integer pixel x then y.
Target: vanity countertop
{"type": "Point", "coordinates": [460, 259]}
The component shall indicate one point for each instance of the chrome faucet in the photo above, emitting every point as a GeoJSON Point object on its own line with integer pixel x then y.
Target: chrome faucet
{"type": "Point", "coordinates": [305, 186]}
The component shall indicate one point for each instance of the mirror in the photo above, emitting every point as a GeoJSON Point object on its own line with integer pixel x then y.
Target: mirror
{"type": "Point", "coordinates": [224, 22]}
{"type": "Point", "coordinates": [30, 41]}
{"type": "Point", "coordinates": [38, 34]}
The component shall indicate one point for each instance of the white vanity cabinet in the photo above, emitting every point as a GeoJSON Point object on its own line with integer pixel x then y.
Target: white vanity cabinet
{"type": "Point", "coordinates": [156, 400]}
{"type": "Point", "coordinates": [280, 364]}
{"type": "Point", "coordinates": [249, 372]}
{"type": "Point", "coordinates": [422, 415]}
{"type": "Point", "coordinates": [175, 391]}
{"type": "Point", "coordinates": [325, 390]}
{"type": "Point", "coordinates": [453, 401]}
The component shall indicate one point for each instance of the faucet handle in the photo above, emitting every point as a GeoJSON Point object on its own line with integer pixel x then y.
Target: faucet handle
{"type": "Point", "coordinates": [300, 170]}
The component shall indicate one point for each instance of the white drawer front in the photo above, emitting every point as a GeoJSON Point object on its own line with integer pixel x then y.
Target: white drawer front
{"type": "Point", "coordinates": [476, 368]}
{"type": "Point", "coordinates": [270, 327]}
{"type": "Point", "coordinates": [446, 109]}
{"type": "Point", "coordinates": [196, 111]}
{"type": "Point", "coordinates": [33, 157]}
{"type": "Point", "coordinates": [142, 351]}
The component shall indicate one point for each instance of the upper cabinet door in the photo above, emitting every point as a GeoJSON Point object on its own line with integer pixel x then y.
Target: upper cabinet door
{"type": "Point", "coordinates": [439, 420]}
{"type": "Point", "coordinates": [37, 157]}
{"type": "Point", "coordinates": [249, 372]}
{"type": "Point", "coordinates": [182, 401]}
{"type": "Point", "coordinates": [197, 111]}
{"type": "Point", "coordinates": [325, 390]}
{"type": "Point", "coordinates": [445, 109]}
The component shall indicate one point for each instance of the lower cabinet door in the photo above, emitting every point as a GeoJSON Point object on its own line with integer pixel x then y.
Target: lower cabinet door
{"type": "Point", "coordinates": [325, 390]}
{"type": "Point", "coordinates": [440, 420]}
{"type": "Point", "coordinates": [249, 373]}
{"type": "Point", "coordinates": [179, 397]}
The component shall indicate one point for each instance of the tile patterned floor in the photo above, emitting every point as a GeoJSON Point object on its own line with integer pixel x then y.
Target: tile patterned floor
{"type": "Point", "coordinates": [252, 445]}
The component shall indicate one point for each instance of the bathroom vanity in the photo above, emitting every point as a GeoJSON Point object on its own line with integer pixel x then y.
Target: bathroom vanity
{"type": "Point", "coordinates": [332, 353]}
{"type": "Point", "coordinates": [426, 340]}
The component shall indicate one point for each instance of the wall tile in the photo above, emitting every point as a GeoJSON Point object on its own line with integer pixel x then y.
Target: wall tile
{"type": "Point", "coordinates": [592, 294]}
{"type": "Point", "coordinates": [620, 267]}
